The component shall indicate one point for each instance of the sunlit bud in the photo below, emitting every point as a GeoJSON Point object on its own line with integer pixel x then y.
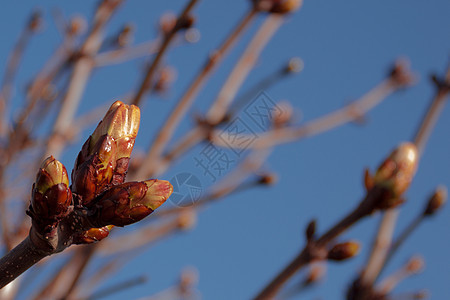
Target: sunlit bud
{"type": "Point", "coordinates": [343, 251]}
{"type": "Point", "coordinates": [132, 201]}
{"type": "Point", "coordinates": [436, 201]}
{"type": "Point", "coordinates": [93, 235]}
{"type": "Point", "coordinates": [51, 196]}
{"type": "Point", "coordinates": [396, 172]}
{"type": "Point", "coordinates": [103, 160]}
{"type": "Point", "coordinates": [121, 122]}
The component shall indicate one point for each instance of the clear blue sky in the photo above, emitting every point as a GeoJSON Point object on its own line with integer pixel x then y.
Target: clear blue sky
{"type": "Point", "coordinates": [347, 46]}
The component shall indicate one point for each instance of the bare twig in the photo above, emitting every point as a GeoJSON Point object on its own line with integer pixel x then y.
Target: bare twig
{"type": "Point", "coordinates": [125, 285]}
{"type": "Point", "coordinates": [146, 84]}
{"type": "Point", "coordinates": [307, 255]}
{"type": "Point", "coordinates": [12, 66]}
{"type": "Point", "coordinates": [167, 130]}
{"type": "Point", "coordinates": [383, 238]}
{"type": "Point", "coordinates": [79, 77]}
{"type": "Point", "coordinates": [123, 54]}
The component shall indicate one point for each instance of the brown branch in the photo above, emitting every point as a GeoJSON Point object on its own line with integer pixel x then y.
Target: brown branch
{"type": "Point", "coordinates": [127, 53]}
{"type": "Point", "coordinates": [277, 136]}
{"type": "Point", "coordinates": [167, 130]}
{"type": "Point", "coordinates": [124, 285]}
{"type": "Point", "coordinates": [380, 248]}
{"type": "Point", "coordinates": [434, 110]}
{"type": "Point", "coordinates": [383, 238]}
{"type": "Point", "coordinates": [293, 66]}
{"type": "Point", "coordinates": [20, 259]}
{"type": "Point", "coordinates": [146, 85]}
{"type": "Point", "coordinates": [87, 253]}
{"type": "Point", "coordinates": [243, 68]}
{"type": "Point", "coordinates": [330, 121]}
{"type": "Point", "coordinates": [307, 255]}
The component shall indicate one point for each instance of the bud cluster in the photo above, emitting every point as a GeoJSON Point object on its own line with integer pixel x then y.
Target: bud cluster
{"type": "Point", "coordinates": [98, 198]}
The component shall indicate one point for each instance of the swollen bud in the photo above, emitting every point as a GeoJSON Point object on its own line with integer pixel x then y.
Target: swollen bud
{"type": "Point", "coordinates": [103, 160]}
{"type": "Point", "coordinates": [436, 201]}
{"type": "Point", "coordinates": [344, 251]}
{"type": "Point", "coordinates": [51, 196]}
{"type": "Point", "coordinates": [130, 202]}
{"type": "Point", "coordinates": [396, 172]}
{"type": "Point", "coordinates": [121, 122]}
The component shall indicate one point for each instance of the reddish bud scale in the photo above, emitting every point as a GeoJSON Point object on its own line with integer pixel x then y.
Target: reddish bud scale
{"type": "Point", "coordinates": [93, 175]}
{"type": "Point", "coordinates": [131, 202]}
{"type": "Point", "coordinates": [53, 204]}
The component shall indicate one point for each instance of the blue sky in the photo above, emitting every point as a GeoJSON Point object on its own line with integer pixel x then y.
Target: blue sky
{"type": "Point", "coordinates": [347, 47]}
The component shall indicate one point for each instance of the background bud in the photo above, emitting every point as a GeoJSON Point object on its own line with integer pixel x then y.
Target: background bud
{"type": "Point", "coordinates": [51, 196]}
{"type": "Point", "coordinates": [397, 171]}
{"type": "Point", "coordinates": [436, 201]}
{"type": "Point", "coordinates": [131, 202]}
{"type": "Point", "coordinates": [343, 251]}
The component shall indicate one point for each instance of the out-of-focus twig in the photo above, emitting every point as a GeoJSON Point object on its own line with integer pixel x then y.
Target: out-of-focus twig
{"type": "Point", "coordinates": [32, 26]}
{"type": "Point", "coordinates": [383, 238]}
{"type": "Point", "coordinates": [124, 285]}
{"type": "Point", "coordinates": [434, 203]}
{"type": "Point", "coordinates": [79, 77]}
{"type": "Point", "coordinates": [146, 84]}
{"type": "Point", "coordinates": [167, 130]}
{"type": "Point", "coordinates": [127, 53]}
{"type": "Point", "coordinates": [413, 266]}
